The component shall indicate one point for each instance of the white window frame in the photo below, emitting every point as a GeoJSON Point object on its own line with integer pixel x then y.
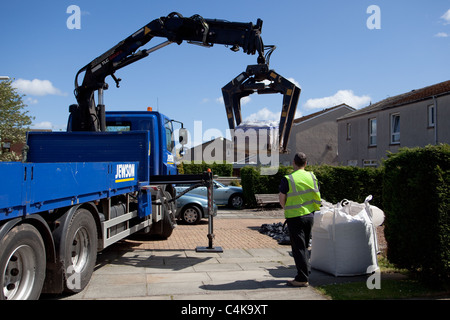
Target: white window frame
{"type": "Point", "coordinates": [370, 163]}
{"type": "Point", "coordinates": [395, 132]}
{"type": "Point", "coordinates": [431, 110]}
{"type": "Point", "coordinates": [372, 134]}
{"type": "Point", "coordinates": [349, 131]}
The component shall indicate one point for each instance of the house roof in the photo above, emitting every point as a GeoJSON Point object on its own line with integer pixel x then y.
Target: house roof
{"type": "Point", "coordinates": [207, 143]}
{"type": "Point", "coordinates": [319, 113]}
{"type": "Point", "coordinates": [403, 99]}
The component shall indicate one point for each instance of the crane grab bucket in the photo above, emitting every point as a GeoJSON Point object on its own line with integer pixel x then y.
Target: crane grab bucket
{"type": "Point", "coordinates": [260, 79]}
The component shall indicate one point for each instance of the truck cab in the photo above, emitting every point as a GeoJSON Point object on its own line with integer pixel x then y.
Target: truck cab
{"type": "Point", "coordinates": [162, 144]}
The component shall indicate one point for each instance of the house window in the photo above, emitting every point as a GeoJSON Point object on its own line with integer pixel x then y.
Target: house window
{"type": "Point", "coordinates": [349, 131]}
{"type": "Point", "coordinates": [373, 132]}
{"type": "Point", "coordinates": [370, 163]}
{"type": "Point", "coordinates": [395, 128]}
{"type": "Point", "coordinates": [431, 116]}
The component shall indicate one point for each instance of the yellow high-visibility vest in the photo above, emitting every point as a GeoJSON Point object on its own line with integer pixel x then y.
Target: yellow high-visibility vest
{"type": "Point", "coordinates": [303, 196]}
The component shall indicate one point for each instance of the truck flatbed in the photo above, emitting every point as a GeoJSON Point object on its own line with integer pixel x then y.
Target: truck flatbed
{"type": "Point", "coordinates": [29, 188]}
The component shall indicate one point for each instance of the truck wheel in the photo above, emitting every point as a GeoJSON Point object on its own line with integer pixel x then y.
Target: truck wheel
{"type": "Point", "coordinates": [165, 226]}
{"type": "Point", "coordinates": [191, 214]}
{"type": "Point", "coordinates": [80, 252]}
{"type": "Point", "coordinates": [22, 264]}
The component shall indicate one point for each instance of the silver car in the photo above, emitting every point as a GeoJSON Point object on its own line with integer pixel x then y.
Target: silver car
{"type": "Point", "coordinates": [192, 208]}
{"type": "Point", "coordinates": [223, 195]}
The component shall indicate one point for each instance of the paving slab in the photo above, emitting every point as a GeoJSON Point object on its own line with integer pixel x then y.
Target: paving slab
{"type": "Point", "coordinates": [117, 286]}
{"type": "Point", "coordinates": [252, 266]}
{"type": "Point", "coordinates": [192, 288]}
{"type": "Point", "coordinates": [238, 275]}
{"type": "Point", "coordinates": [218, 267]}
{"type": "Point", "coordinates": [234, 275]}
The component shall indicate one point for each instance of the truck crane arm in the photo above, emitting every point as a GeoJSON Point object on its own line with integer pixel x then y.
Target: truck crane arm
{"type": "Point", "coordinates": [87, 116]}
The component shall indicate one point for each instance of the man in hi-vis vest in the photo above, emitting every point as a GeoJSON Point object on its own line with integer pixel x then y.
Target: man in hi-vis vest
{"type": "Point", "coordinates": [300, 197]}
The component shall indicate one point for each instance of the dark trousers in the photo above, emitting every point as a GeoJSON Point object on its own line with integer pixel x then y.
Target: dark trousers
{"type": "Point", "coordinates": [299, 233]}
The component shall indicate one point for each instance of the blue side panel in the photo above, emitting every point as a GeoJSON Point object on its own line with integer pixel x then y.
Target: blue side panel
{"type": "Point", "coordinates": [12, 190]}
{"type": "Point", "coordinates": [91, 147]}
{"type": "Point", "coordinates": [36, 187]}
{"type": "Point", "coordinates": [65, 184]}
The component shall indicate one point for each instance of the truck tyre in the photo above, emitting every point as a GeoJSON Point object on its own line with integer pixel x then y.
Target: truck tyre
{"type": "Point", "coordinates": [80, 251]}
{"type": "Point", "coordinates": [165, 226]}
{"type": "Point", "coordinates": [22, 264]}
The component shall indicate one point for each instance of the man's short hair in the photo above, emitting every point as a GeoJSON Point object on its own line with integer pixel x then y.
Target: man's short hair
{"type": "Point", "coordinates": [300, 159]}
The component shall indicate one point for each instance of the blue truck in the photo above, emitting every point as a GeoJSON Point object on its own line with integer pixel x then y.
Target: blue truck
{"type": "Point", "coordinates": [111, 174]}
{"type": "Point", "coordinates": [78, 193]}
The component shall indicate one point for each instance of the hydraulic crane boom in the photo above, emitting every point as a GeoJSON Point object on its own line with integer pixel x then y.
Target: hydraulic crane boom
{"type": "Point", "coordinates": [87, 116]}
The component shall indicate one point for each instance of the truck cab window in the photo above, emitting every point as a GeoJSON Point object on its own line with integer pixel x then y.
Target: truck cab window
{"type": "Point", "coordinates": [169, 135]}
{"type": "Point", "coordinates": [118, 126]}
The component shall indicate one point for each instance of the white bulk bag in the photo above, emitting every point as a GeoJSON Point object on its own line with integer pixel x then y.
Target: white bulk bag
{"type": "Point", "coordinates": [256, 136]}
{"type": "Point", "coordinates": [344, 239]}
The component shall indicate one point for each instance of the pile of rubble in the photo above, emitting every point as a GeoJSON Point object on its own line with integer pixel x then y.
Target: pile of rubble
{"type": "Point", "coordinates": [278, 231]}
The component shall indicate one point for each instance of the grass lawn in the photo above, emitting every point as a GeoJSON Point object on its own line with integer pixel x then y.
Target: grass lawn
{"type": "Point", "coordinates": [394, 284]}
{"type": "Point", "coordinates": [390, 289]}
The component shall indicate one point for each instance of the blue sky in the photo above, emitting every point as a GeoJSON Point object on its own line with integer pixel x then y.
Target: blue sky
{"type": "Point", "coordinates": [325, 46]}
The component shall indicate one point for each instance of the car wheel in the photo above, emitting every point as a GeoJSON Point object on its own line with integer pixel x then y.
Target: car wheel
{"type": "Point", "coordinates": [191, 214]}
{"type": "Point", "coordinates": [236, 201]}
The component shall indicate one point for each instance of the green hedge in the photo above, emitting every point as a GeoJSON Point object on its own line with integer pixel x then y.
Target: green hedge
{"type": "Point", "coordinates": [253, 182]}
{"type": "Point", "coordinates": [416, 197]}
{"type": "Point", "coordinates": [220, 169]}
{"type": "Point", "coordinates": [352, 183]}
{"type": "Point", "coordinates": [336, 183]}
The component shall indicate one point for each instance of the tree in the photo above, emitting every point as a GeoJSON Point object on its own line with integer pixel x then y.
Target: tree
{"type": "Point", "coordinates": [14, 120]}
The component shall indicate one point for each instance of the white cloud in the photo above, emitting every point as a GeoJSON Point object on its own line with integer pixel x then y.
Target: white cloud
{"type": "Point", "coordinates": [446, 17]}
{"type": "Point", "coordinates": [43, 125]}
{"type": "Point", "coordinates": [441, 35]}
{"type": "Point", "coordinates": [219, 100]}
{"type": "Point", "coordinates": [266, 115]}
{"type": "Point", "coordinates": [29, 101]}
{"type": "Point", "coordinates": [263, 114]}
{"type": "Point", "coordinates": [47, 125]}
{"type": "Point", "coordinates": [342, 96]}
{"type": "Point", "coordinates": [244, 100]}
{"type": "Point", "coordinates": [295, 82]}
{"type": "Point", "coordinates": [36, 87]}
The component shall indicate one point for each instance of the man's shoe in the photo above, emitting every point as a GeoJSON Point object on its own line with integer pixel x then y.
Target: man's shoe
{"type": "Point", "coordinates": [298, 284]}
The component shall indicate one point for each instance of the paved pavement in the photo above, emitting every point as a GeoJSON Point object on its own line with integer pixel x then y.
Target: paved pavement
{"type": "Point", "coordinates": [252, 266]}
